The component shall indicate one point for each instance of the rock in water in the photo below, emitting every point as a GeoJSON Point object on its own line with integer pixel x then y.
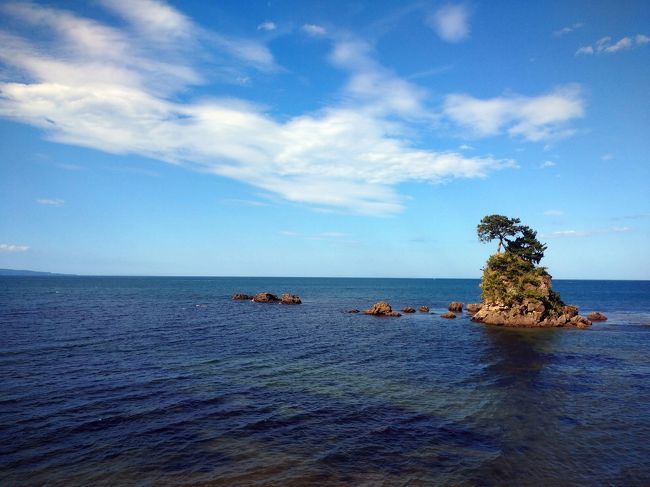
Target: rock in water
{"type": "Point", "coordinates": [266, 298]}
{"type": "Point", "coordinates": [354, 311]}
{"type": "Point", "coordinates": [408, 309]}
{"type": "Point", "coordinates": [424, 309]}
{"type": "Point", "coordinates": [473, 308]}
{"type": "Point", "coordinates": [382, 308]}
{"type": "Point", "coordinates": [448, 315]}
{"type": "Point", "coordinates": [290, 299]}
{"type": "Point", "coordinates": [518, 294]}
{"type": "Point", "coordinates": [241, 297]}
{"type": "Point", "coordinates": [596, 316]}
{"type": "Point", "coordinates": [580, 322]}
{"type": "Point", "coordinates": [455, 306]}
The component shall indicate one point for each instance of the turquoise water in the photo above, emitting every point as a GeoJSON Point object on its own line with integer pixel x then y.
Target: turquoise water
{"type": "Point", "coordinates": [166, 381]}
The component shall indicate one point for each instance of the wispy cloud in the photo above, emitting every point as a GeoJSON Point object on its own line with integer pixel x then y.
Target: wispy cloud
{"type": "Point", "coordinates": [114, 89]}
{"type": "Point", "coordinates": [318, 236]}
{"type": "Point", "coordinates": [50, 201]}
{"type": "Point", "coordinates": [451, 23]}
{"type": "Point", "coordinates": [314, 30]}
{"type": "Point", "coordinates": [13, 248]}
{"type": "Point", "coordinates": [547, 164]}
{"type": "Point", "coordinates": [567, 29]}
{"type": "Point", "coordinates": [584, 233]}
{"type": "Point", "coordinates": [554, 213]}
{"type": "Point", "coordinates": [605, 45]}
{"type": "Point", "coordinates": [268, 26]}
{"type": "Point", "coordinates": [607, 157]}
{"type": "Point", "coordinates": [533, 118]}
{"type": "Point", "coordinates": [244, 202]}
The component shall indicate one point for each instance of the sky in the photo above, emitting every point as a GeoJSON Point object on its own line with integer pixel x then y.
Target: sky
{"type": "Point", "coordinates": [342, 139]}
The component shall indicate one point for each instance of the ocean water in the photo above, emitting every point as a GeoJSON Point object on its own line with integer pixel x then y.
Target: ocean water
{"type": "Point", "coordinates": [166, 381]}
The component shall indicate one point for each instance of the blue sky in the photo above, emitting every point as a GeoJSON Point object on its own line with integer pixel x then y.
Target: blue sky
{"type": "Point", "coordinates": [322, 138]}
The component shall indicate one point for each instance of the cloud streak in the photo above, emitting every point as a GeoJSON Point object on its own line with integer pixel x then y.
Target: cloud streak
{"type": "Point", "coordinates": [50, 201]}
{"type": "Point", "coordinates": [12, 248]}
{"type": "Point", "coordinates": [115, 89]}
{"type": "Point", "coordinates": [534, 118]}
{"type": "Point", "coordinates": [585, 233]}
{"type": "Point", "coordinates": [606, 46]}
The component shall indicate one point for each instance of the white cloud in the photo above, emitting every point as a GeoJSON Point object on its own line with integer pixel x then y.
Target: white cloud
{"type": "Point", "coordinates": [314, 30]}
{"type": "Point", "coordinates": [117, 95]}
{"type": "Point", "coordinates": [585, 233]}
{"type": "Point", "coordinates": [451, 23]}
{"type": "Point", "coordinates": [50, 202]}
{"type": "Point", "coordinates": [546, 164]}
{"type": "Point", "coordinates": [604, 45]}
{"type": "Point", "coordinates": [567, 29]}
{"type": "Point", "coordinates": [554, 213]}
{"type": "Point", "coordinates": [534, 118]}
{"type": "Point", "coordinates": [13, 248]}
{"type": "Point", "coordinates": [268, 26]}
{"type": "Point", "coordinates": [586, 50]}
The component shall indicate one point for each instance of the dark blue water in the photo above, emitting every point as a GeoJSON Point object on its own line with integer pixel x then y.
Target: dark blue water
{"type": "Point", "coordinates": [165, 381]}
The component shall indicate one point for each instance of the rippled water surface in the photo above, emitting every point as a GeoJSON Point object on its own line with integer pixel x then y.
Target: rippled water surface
{"type": "Point", "coordinates": [165, 381]}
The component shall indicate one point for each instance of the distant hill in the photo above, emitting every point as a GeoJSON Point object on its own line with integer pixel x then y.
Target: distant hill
{"type": "Point", "coordinates": [16, 272]}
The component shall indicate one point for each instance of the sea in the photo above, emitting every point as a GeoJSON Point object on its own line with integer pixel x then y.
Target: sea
{"type": "Point", "coordinates": [155, 381]}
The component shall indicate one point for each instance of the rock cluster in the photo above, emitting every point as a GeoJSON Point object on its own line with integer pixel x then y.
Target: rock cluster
{"type": "Point", "coordinates": [455, 306]}
{"type": "Point", "coordinates": [241, 297]}
{"type": "Point", "coordinates": [268, 298]}
{"type": "Point", "coordinates": [290, 299]}
{"type": "Point", "coordinates": [474, 308]}
{"type": "Point", "coordinates": [530, 314]}
{"type": "Point", "coordinates": [424, 309]}
{"type": "Point", "coordinates": [381, 308]}
{"type": "Point", "coordinates": [596, 316]}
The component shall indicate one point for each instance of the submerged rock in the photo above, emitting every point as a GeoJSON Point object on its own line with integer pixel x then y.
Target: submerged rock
{"type": "Point", "coordinates": [408, 309]}
{"type": "Point", "coordinates": [473, 308]}
{"type": "Point", "coordinates": [596, 316]}
{"type": "Point", "coordinates": [424, 309]}
{"type": "Point", "coordinates": [448, 315]}
{"type": "Point", "coordinates": [266, 298]}
{"type": "Point", "coordinates": [455, 306]}
{"type": "Point", "coordinates": [382, 308]}
{"type": "Point", "coordinates": [290, 299]}
{"type": "Point", "coordinates": [241, 297]}
{"type": "Point", "coordinates": [354, 311]}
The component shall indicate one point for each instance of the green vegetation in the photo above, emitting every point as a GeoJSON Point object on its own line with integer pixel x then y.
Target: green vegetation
{"type": "Point", "coordinates": [515, 238]}
{"type": "Point", "coordinates": [512, 278]}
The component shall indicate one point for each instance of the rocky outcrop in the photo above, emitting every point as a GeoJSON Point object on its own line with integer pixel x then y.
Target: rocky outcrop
{"type": "Point", "coordinates": [408, 309]}
{"type": "Point", "coordinates": [518, 294]}
{"type": "Point", "coordinates": [596, 316]}
{"type": "Point", "coordinates": [448, 315]}
{"type": "Point", "coordinates": [424, 309]}
{"type": "Point", "coordinates": [580, 322]}
{"type": "Point", "coordinates": [455, 306]}
{"type": "Point", "coordinates": [474, 308]}
{"type": "Point", "coordinates": [266, 298]}
{"type": "Point", "coordinates": [382, 308]}
{"type": "Point", "coordinates": [290, 299]}
{"type": "Point", "coordinates": [527, 315]}
{"type": "Point", "coordinates": [241, 297]}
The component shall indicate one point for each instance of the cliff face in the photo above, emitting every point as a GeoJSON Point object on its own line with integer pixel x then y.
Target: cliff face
{"type": "Point", "coordinates": [518, 294]}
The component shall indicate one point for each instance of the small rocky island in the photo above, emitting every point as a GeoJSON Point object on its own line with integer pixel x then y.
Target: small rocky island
{"type": "Point", "coordinates": [516, 291]}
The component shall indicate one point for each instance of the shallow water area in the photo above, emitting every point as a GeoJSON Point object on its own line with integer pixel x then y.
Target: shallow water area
{"type": "Point", "coordinates": [166, 381]}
